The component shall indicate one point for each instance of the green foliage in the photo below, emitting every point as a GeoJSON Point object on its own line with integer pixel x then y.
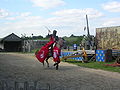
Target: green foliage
{"type": "Point", "coordinates": [73, 40]}
{"type": "Point", "coordinates": [35, 50]}
{"type": "Point", "coordinates": [72, 35]}
{"type": "Point", "coordinates": [47, 36]}
{"type": "Point", "coordinates": [69, 40]}
{"type": "Point", "coordinates": [95, 65]}
{"type": "Point", "coordinates": [37, 37]}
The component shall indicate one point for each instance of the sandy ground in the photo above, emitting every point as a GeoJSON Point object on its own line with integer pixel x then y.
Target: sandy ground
{"type": "Point", "coordinates": [25, 67]}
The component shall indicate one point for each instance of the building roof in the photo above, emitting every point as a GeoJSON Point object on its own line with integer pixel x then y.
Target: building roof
{"type": "Point", "coordinates": [11, 37]}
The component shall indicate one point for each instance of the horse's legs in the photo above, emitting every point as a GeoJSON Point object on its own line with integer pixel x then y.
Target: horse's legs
{"type": "Point", "coordinates": [57, 66]}
{"type": "Point", "coordinates": [43, 63]}
{"type": "Point", "coordinates": [47, 61]}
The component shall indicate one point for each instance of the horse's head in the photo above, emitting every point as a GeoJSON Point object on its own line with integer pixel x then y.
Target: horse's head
{"type": "Point", "coordinates": [60, 42]}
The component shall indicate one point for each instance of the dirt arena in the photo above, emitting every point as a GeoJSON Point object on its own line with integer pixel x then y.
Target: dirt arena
{"type": "Point", "coordinates": [16, 67]}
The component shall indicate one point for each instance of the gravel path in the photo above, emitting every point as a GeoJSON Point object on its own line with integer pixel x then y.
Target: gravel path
{"type": "Point", "coordinates": [25, 67]}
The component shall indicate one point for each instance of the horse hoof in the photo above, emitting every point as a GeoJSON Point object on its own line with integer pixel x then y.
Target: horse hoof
{"type": "Point", "coordinates": [56, 67]}
{"type": "Point", "coordinates": [54, 64]}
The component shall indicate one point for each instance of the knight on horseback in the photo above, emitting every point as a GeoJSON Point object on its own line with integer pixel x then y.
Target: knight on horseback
{"type": "Point", "coordinates": [51, 49]}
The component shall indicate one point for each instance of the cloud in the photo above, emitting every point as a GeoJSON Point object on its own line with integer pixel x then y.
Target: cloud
{"type": "Point", "coordinates": [28, 25]}
{"type": "Point", "coordinates": [66, 22]}
{"type": "Point", "coordinates": [3, 13]}
{"type": "Point", "coordinates": [47, 4]}
{"type": "Point", "coordinates": [74, 17]}
{"type": "Point", "coordinates": [112, 6]}
{"type": "Point", "coordinates": [16, 16]}
{"type": "Point", "coordinates": [25, 14]}
{"type": "Point", "coordinates": [79, 13]}
{"type": "Point", "coordinates": [111, 22]}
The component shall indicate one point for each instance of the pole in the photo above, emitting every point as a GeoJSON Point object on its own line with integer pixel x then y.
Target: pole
{"type": "Point", "coordinates": [88, 33]}
{"type": "Point", "coordinates": [87, 26]}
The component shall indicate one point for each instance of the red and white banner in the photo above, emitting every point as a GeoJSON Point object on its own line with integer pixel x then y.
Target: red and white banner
{"type": "Point", "coordinates": [56, 54]}
{"type": "Point", "coordinates": [43, 53]}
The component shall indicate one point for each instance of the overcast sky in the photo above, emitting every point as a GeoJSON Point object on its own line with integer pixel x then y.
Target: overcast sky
{"type": "Point", "coordinates": [66, 16]}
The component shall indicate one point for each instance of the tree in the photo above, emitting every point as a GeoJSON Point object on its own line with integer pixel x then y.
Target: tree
{"type": "Point", "coordinates": [73, 40]}
{"type": "Point", "coordinates": [47, 36]}
{"type": "Point", "coordinates": [72, 35]}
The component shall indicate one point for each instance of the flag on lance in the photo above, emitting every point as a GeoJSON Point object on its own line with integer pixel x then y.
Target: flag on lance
{"type": "Point", "coordinates": [43, 53]}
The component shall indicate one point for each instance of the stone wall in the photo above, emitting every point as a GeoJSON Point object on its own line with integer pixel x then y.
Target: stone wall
{"type": "Point", "coordinates": [29, 45]}
{"type": "Point", "coordinates": [108, 37]}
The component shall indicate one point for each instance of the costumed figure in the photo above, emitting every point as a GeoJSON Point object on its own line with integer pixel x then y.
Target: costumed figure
{"type": "Point", "coordinates": [51, 49]}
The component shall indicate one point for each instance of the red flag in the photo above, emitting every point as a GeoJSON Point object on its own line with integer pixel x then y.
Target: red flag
{"type": "Point", "coordinates": [43, 53]}
{"type": "Point", "coordinates": [56, 54]}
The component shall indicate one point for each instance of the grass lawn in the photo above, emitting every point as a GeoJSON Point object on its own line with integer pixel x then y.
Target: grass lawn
{"type": "Point", "coordinates": [95, 65]}
{"type": "Point", "coordinates": [33, 51]}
